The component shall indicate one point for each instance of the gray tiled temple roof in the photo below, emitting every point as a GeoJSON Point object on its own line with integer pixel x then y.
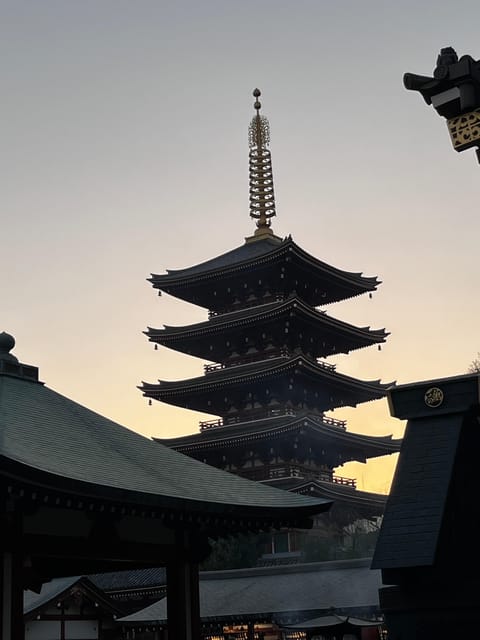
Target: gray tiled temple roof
{"type": "Point", "coordinates": [130, 579]}
{"type": "Point", "coordinates": [43, 431]}
{"type": "Point", "coordinates": [49, 591]}
{"type": "Point", "coordinates": [326, 585]}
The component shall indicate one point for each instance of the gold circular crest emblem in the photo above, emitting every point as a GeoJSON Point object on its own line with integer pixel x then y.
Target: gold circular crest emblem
{"type": "Point", "coordinates": [433, 397]}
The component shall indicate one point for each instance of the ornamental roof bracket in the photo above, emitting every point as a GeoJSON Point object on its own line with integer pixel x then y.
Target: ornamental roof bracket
{"type": "Point", "coordinates": [262, 197]}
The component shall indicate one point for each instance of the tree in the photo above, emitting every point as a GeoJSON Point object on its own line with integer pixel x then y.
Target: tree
{"type": "Point", "coordinates": [475, 365]}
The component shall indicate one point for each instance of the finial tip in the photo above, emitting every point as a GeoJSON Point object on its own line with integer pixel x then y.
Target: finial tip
{"type": "Point", "coordinates": [257, 104]}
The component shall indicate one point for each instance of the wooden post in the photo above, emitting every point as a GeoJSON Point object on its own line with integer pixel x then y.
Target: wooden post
{"type": "Point", "coordinates": [183, 599]}
{"type": "Point", "coordinates": [12, 626]}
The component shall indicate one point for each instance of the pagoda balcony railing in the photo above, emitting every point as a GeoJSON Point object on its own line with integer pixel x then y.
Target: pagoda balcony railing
{"type": "Point", "coordinates": [262, 414]}
{"type": "Point", "coordinates": [248, 359]}
{"type": "Point", "coordinates": [331, 422]}
{"type": "Point", "coordinates": [282, 471]}
{"type": "Point", "coordinates": [326, 365]}
{"type": "Point", "coordinates": [300, 471]}
{"type": "Point", "coordinates": [248, 304]}
{"type": "Point", "coordinates": [260, 356]}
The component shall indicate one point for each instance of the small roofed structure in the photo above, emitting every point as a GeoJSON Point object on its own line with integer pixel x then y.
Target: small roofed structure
{"type": "Point", "coordinates": [72, 607]}
{"type": "Point", "coordinates": [82, 494]}
{"type": "Point", "coordinates": [335, 627]}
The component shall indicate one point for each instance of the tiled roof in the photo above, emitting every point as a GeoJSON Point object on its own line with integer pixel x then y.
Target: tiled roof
{"type": "Point", "coordinates": [243, 253]}
{"type": "Point", "coordinates": [49, 591]}
{"type": "Point", "coordinates": [274, 427]}
{"type": "Point", "coordinates": [354, 390]}
{"type": "Point", "coordinates": [414, 514]}
{"type": "Point", "coordinates": [266, 249]}
{"type": "Point", "coordinates": [133, 579]}
{"type": "Point", "coordinates": [59, 588]}
{"type": "Point", "coordinates": [46, 432]}
{"type": "Point", "coordinates": [341, 585]}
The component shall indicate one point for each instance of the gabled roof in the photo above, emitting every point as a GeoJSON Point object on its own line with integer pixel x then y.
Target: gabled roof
{"type": "Point", "coordinates": [312, 587]}
{"type": "Point", "coordinates": [331, 335]}
{"type": "Point", "coordinates": [54, 442]}
{"type": "Point", "coordinates": [60, 588]}
{"type": "Point", "coordinates": [333, 284]}
{"type": "Point", "coordinates": [333, 389]}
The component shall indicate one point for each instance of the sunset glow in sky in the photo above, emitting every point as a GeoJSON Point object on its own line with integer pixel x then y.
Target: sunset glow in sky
{"type": "Point", "coordinates": [125, 152]}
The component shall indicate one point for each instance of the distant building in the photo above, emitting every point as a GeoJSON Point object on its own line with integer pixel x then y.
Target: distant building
{"type": "Point", "coordinates": [269, 602]}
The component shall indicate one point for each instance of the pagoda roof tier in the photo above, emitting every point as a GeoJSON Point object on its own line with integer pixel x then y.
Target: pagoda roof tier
{"type": "Point", "coordinates": [282, 264]}
{"type": "Point", "coordinates": [296, 379]}
{"type": "Point", "coordinates": [338, 493]}
{"type": "Point", "coordinates": [353, 446]}
{"type": "Point", "coordinates": [321, 333]}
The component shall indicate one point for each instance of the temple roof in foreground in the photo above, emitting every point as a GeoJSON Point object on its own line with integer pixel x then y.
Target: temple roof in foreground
{"type": "Point", "coordinates": [54, 443]}
{"type": "Point", "coordinates": [263, 256]}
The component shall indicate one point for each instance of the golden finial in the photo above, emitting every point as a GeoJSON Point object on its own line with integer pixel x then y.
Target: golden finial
{"type": "Point", "coordinates": [262, 198]}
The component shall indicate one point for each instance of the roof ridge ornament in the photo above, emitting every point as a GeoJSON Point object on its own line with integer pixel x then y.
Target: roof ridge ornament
{"type": "Point", "coordinates": [262, 197]}
{"type": "Point", "coordinates": [7, 342]}
{"type": "Point", "coordinates": [9, 364]}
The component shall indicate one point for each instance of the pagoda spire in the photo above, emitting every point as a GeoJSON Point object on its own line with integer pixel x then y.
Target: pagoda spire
{"type": "Point", "coordinates": [262, 197]}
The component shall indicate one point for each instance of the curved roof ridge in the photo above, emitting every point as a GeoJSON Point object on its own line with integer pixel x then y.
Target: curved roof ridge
{"type": "Point", "coordinates": [67, 444]}
{"type": "Point", "coordinates": [265, 248]}
{"type": "Point", "coordinates": [252, 250]}
{"type": "Point", "coordinates": [252, 313]}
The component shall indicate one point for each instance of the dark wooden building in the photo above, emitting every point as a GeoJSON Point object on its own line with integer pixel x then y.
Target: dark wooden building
{"type": "Point", "coordinates": [426, 546]}
{"type": "Point", "coordinates": [268, 384]}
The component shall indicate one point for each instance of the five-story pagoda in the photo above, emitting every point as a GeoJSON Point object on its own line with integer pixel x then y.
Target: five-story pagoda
{"type": "Point", "coordinates": [268, 336]}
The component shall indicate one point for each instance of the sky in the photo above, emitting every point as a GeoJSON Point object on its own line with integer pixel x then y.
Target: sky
{"type": "Point", "coordinates": [125, 153]}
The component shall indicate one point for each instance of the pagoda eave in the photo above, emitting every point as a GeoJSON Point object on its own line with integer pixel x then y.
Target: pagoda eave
{"type": "Point", "coordinates": [325, 388]}
{"type": "Point", "coordinates": [323, 334]}
{"type": "Point", "coordinates": [233, 435]}
{"type": "Point", "coordinates": [208, 284]}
